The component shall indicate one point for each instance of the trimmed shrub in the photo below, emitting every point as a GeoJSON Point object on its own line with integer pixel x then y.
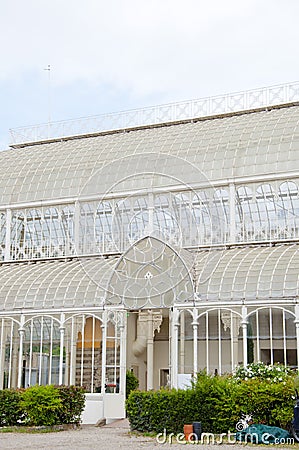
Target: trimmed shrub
{"type": "Point", "coordinates": [42, 405]}
{"type": "Point", "coordinates": [73, 402]}
{"type": "Point", "coordinates": [132, 382]}
{"type": "Point", "coordinates": [215, 399]}
{"type": "Point", "coordinates": [11, 412]}
{"type": "Point", "coordinates": [169, 409]}
{"type": "Point", "coordinates": [217, 402]}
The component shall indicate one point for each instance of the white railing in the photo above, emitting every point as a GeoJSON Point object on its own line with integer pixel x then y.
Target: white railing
{"type": "Point", "coordinates": [209, 106]}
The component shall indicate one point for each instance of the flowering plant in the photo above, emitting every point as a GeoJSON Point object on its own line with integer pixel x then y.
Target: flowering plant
{"type": "Point", "coordinates": [271, 372]}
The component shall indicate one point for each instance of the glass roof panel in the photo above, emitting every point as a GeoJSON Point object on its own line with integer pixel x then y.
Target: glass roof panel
{"type": "Point", "coordinates": [220, 148]}
{"type": "Point", "coordinates": [52, 284]}
{"type": "Point", "coordinates": [249, 273]}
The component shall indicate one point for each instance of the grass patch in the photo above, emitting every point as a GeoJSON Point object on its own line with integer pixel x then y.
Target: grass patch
{"type": "Point", "coordinates": [32, 430]}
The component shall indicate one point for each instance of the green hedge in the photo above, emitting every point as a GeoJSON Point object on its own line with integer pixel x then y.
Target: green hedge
{"type": "Point", "coordinates": [11, 412]}
{"type": "Point", "coordinates": [41, 405]}
{"type": "Point", "coordinates": [73, 402]}
{"type": "Point", "coordinates": [217, 402]}
{"type": "Point", "coordinates": [131, 382]}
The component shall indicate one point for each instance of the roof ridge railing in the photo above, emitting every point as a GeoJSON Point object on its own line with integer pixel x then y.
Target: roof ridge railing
{"type": "Point", "coordinates": [153, 115]}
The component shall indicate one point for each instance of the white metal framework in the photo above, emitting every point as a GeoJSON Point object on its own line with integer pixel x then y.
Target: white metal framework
{"type": "Point", "coordinates": [172, 248]}
{"type": "Point", "coordinates": [209, 106]}
{"type": "Point", "coordinates": [233, 213]}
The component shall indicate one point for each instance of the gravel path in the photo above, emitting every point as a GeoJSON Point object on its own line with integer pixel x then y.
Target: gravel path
{"type": "Point", "coordinates": [110, 437]}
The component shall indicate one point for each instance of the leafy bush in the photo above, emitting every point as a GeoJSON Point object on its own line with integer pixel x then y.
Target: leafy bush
{"type": "Point", "coordinates": [73, 402]}
{"type": "Point", "coordinates": [42, 405]}
{"type": "Point", "coordinates": [215, 396]}
{"type": "Point", "coordinates": [132, 382]}
{"type": "Point", "coordinates": [11, 412]}
{"type": "Point", "coordinates": [269, 403]}
{"type": "Point", "coordinates": [217, 402]}
{"type": "Point", "coordinates": [209, 401]}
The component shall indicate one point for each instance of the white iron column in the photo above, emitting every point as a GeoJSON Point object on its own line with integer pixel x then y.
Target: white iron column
{"type": "Point", "coordinates": [67, 361]}
{"type": "Point", "coordinates": [207, 343]}
{"type": "Point", "coordinates": [244, 328]}
{"type": "Point", "coordinates": [7, 235]}
{"type": "Point", "coordinates": [297, 333]}
{"type": "Point", "coordinates": [77, 227]}
{"type": "Point", "coordinates": [20, 365]}
{"type": "Point", "coordinates": [182, 343]}
{"type": "Point", "coordinates": [3, 335]}
{"type": "Point", "coordinates": [174, 317]}
{"type": "Point", "coordinates": [150, 352]}
{"type": "Point", "coordinates": [235, 320]}
{"type": "Point", "coordinates": [123, 353]}
{"type": "Point", "coordinates": [195, 342]}
{"type": "Point", "coordinates": [232, 212]}
{"type": "Point", "coordinates": [14, 344]}
{"type": "Point", "coordinates": [104, 346]}
{"type": "Point", "coordinates": [62, 330]}
{"type": "Point", "coordinates": [74, 333]}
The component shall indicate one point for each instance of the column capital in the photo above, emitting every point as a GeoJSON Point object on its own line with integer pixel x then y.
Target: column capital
{"type": "Point", "coordinates": [157, 320]}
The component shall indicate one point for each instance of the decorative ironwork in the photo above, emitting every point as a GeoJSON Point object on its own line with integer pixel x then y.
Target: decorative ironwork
{"type": "Point", "coordinates": [131, 286]}
{"type": "Point", "coordinates": [171, 112]}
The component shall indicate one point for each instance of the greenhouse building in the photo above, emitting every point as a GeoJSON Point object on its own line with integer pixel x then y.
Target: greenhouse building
{"type": "Point", "coordinates": [161, 241]}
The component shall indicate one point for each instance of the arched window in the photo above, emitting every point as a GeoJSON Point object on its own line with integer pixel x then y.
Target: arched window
{"type": "Point", "coordinates": [123, 216]}
{"type": "Point", "coordinates": [246, 217]}
{"type": "Point", "coordinates": [87, 238]}
{"type": "Point", "coordinates": [203, 219]}
{"type": "Point", "coordinates": [220, 215]}
{"type": "Point", "coordinates": [166, 225]}
{"type": "Point", "coordinates": [267, 211]}
{"type": "Point", "coordinates": [33, 229]}
{"type": "Point", "coordinates": [288, 210]}
{"type": "Point", "coordinates": [139, 223]}
{"type": "Point", "coordinates": [182, 206]}
{"type": "Point", "coordinates": [41, 351]}
{"type": "Point", "coordinates": [67, 221]}
{"type": "Point", "coordinates": [273, 336]}
{"type": "Point", "coordinates": [104, 227]}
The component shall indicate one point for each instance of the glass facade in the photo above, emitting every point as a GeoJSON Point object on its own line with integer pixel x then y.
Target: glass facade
{"type": "Point", "coordinates": [251, 213]}
{"type": "Point", "coordinates": [174, 248]}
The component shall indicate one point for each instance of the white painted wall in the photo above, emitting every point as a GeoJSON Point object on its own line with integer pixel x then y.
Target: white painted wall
{"type": "Point", "coordinates": [93, 411]}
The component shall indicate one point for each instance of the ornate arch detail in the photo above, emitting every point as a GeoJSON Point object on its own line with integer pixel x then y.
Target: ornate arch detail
{"type": "Point", "coordinates": [267, 307]}
{"type": "Point", "coordinates": [151, 274]}
{"type": "Point", "coordinates": [39, 316]}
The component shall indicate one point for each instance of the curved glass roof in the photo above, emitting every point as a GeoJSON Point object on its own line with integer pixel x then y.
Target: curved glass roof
{"type": "Point", "coordinates": [54, 284]}
{"type": "Point", "coordinates": [150, 273]}
{"type": "Point", "coordinates": [249, 273]}
{"type": "Point", "coordinates": [248, 144]}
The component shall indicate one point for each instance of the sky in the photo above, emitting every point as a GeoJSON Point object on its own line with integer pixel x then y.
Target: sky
{"type": "Point", "coordinates": [124, 54]}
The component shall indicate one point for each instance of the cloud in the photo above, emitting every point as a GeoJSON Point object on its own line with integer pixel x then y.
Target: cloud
{"type": "Point", "coordinates": [149, 47]}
